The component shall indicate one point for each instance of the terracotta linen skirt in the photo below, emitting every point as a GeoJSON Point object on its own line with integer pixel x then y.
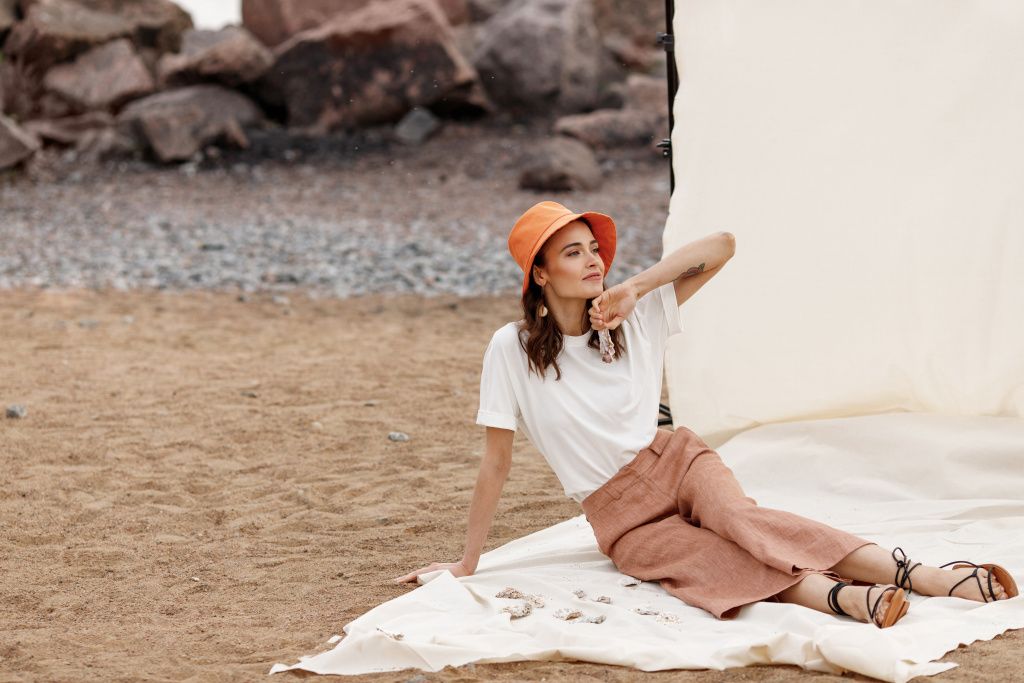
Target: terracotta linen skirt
{"type": "Point", "coordinates": [676, 514]}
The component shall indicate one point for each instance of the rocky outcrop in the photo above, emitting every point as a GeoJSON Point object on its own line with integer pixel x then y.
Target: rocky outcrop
{"type": "Point", "coordinates": [537, 56]}
{"type": "Point", "coordinates": [370, 67]}
{"type": "Point", "coordinates": [16, 144]}
{"type": "Point", "coordinates": [102, 78]}
{"type": "Point", "coordinates": [275, 21]}
{"type": "Point", "coordinates": [231, 56]}
{"type": "Point", "coordinates": [177, 123]}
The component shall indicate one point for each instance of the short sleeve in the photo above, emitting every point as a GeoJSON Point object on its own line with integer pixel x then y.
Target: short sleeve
{"type": "Point", "coordinates": [658, 312]}
{"type": "Point", "coordinates": [498, 404]}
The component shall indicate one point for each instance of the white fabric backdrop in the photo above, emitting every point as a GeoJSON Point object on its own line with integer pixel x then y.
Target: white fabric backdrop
{"type": "Point", "coordinates": [869, 158]}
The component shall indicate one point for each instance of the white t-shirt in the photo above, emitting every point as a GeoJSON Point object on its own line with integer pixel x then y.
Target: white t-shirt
{"type": "Point", "coordinates": [598, 416]}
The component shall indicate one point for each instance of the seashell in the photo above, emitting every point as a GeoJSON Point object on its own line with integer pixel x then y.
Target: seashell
{"type": "Point", "coordinates": [509, 592]}
{"type": "Point", "coordinates": [593, 620]}
{"type": "Point", "coordinates": [519, 610]}
{"type": "Point", "coordinates": [394, 635]}
{"type": "Point", "coordinates": [607, 349]}
{"type": "Point", "coordinates": [603, 598]}
{"type": "Point", "coordinates": [567, 613]}
{"type": "Point", "coordinates": [668, 618]}
{"type": "Point", "coordinates": [645, 610]}
{"type": "Point", "coordinates": [579, 594]}
{"type": "Point", "coordinates": [536, 600]}
{"type": "Point", "coordinates": [629, 581]}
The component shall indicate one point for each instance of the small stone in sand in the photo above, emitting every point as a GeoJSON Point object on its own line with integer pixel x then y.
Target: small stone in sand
{"type": "Point", "coordinates": [398, 436]}
{"type": "Point", "coordinates": [16, 411]}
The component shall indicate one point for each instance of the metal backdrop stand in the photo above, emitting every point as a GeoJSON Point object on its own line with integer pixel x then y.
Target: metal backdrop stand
{"type": "Point", "coordinates": [667, 40]}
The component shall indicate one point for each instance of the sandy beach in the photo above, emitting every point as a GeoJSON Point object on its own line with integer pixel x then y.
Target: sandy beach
{"type": "Point", "coordinates": [204, 486]}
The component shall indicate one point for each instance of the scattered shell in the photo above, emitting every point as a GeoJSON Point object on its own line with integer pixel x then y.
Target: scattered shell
{"type": "Point", "coordinates": [518, 610]}
{"type": "Point", "coordinates": [629, 581]}
{"type": "Point", "coordinates": [398, 436]}
{"type": "Point", "coordinates": [603, 598]}
{"type": "Point", "coordinates": [510, 592]}
{"type": "Point", "coordinates": [645, 610]}
{"type": "Point", "coordinates": [593, 620]}
{"type": "Point", "coordinates": [668, 617]}
{"type": "Point", "coordinates": [580, 594]}
{"type": "Point", "coordinates": [394, 635]}
{"type": "Point", "coordinates": [567, 613]}
{"type": "Point", "coordinates": [536, 600]}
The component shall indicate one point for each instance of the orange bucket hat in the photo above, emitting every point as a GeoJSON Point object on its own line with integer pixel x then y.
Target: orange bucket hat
{"type": "Point", "coordinates": [542, 220]}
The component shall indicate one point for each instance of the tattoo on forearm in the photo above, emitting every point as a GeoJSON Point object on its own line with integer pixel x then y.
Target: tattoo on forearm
{"type": "Point", "coordinates": [694, 271]}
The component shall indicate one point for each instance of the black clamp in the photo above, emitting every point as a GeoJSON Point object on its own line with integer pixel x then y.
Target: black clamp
{"type": "Point", "coordinates": [667, 40]}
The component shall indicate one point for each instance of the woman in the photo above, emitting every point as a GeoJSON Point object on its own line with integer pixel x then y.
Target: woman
{"type": "Point", "coordinates": [662, 504]}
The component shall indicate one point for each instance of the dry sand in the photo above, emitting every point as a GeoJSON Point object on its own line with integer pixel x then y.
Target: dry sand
{"type": "Point", "coordinates": [161, 523]}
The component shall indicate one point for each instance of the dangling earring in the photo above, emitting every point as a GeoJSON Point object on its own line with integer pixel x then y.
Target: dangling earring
{"type": "Point", "coordinates": [542, 310]}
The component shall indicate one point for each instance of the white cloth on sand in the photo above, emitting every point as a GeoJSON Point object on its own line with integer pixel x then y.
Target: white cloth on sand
{"type": "Point", "coordinates": [942, 487]}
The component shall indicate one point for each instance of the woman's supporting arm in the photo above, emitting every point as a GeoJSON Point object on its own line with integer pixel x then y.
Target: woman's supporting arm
{"type": "Point", "coordinates": [494, 469]}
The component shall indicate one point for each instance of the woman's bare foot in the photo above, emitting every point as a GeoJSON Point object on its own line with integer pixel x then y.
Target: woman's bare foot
{"type": "Point", "coordinates": [855, 601]}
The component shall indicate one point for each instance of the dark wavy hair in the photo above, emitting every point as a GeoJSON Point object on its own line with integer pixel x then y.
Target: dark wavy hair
{"type": "Point", "coordinates": [544, 340]}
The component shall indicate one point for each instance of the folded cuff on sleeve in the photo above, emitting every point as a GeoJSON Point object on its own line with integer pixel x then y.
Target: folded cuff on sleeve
{"type": "Point", "coordinates": [489, 419]}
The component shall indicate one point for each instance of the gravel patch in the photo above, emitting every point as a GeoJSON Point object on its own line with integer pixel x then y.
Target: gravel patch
{"type": "Point", "coordinates": [431, 219]}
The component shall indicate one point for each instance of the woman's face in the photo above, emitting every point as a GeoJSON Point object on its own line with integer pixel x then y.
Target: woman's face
{"type": "Point", "coordinates": [572, 263]}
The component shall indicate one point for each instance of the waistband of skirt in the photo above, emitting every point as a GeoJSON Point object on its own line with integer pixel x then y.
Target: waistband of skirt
{"type": "Point", "coordinates": [617, 483]}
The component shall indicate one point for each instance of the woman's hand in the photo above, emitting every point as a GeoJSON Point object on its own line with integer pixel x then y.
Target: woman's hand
{"type": "Point", "coordinates": [456, 568]}
{"type": "Point", "coordinates": [613, 306]}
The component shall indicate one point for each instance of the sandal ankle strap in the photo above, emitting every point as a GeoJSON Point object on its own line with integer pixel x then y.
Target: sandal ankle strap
{"type": "Point", "coordinates": [903, 569]}
{"type": "Point", "coordinates": [833, 599]}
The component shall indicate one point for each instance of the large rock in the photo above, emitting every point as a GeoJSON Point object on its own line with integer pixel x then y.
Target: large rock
{"type": "Point", "coordinates": [636, 20]}
{"type": "Point", "coordinates": [371, 66]}
{"type": "Point", "coordinates": [102, 78]}
{"type": "Point", "coordinates": [157, 24]}
{"type": "Point", "coordinates": [176, 124]}
{"type": "Point", "coordinates": [275, 21]}
{"type": "Point", "coordinates": [15, 144]}
{"type": "Point", "coordinates": [56, 30]}
{"type": "Point", "coordinates": [231, 56]}
{"type": "Point", "coordinates": [558, 165]}
{"type": "Point", "coordinates": [69, 130]}
{"type": "Point", "coordinates": [537, 56]}
{"type": "Point", "coordinates": [606, 128]}
{"type": "Point", "coordinates": [8, 16]}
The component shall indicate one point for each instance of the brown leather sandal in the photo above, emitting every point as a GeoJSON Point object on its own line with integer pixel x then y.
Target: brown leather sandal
{"type": "Point", "coordinates": [1000, 574]}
